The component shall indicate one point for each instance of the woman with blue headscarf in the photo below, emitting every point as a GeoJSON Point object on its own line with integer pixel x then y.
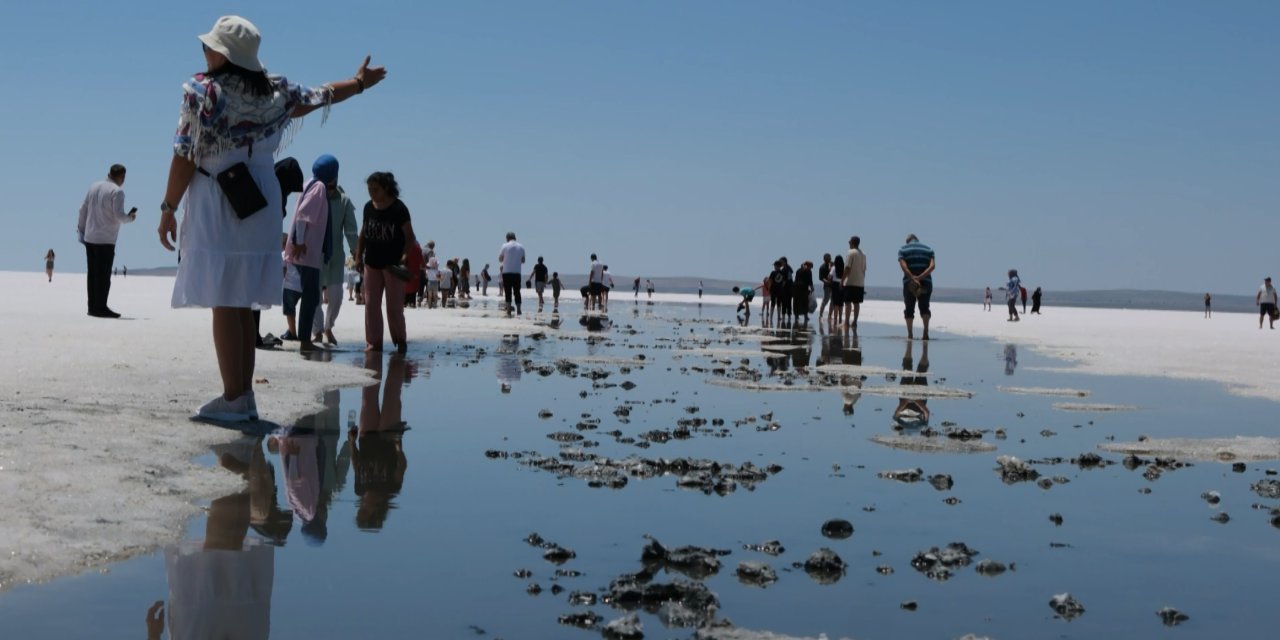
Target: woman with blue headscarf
{"type": "Point", "coordinates": [309, 244]}
{"type": "Point", "coordinates": [342, 224]}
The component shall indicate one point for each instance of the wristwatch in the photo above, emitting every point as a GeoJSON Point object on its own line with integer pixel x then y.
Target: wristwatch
{"type": "Point", "coordinates": [165, 207]}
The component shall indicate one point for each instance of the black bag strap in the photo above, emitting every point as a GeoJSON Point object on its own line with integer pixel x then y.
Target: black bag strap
{"type": "Point", "coordinates": [206, 173]}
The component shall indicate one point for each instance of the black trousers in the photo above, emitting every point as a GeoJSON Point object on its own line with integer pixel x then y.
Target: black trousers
{"type": "Point", "coordinates": [100, 258]}
{"type": "Point", "coordinates": [310, 277]}
{"type": "Point", "coordinates": [510, 289]}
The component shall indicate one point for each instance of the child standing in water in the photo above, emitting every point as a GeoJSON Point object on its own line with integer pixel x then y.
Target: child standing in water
{"type": "Point", "coordinates": [555, 291]}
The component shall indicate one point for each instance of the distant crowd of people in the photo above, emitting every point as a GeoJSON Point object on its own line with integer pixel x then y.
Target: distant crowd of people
{"type": "Point", "coordinates": [789, 295]}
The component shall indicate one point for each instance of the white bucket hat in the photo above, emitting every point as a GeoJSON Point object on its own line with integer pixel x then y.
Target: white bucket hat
{"type": "Point", "coordinates": [237, 39]}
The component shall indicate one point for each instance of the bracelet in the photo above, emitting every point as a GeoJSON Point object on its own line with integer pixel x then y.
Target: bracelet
{"type": "Point", "coordinates": [359, 84]}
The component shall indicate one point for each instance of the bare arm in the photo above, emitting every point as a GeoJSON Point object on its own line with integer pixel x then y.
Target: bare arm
{"type": "Point", "coordinates": [366, 77]}
{"type": "Point", "coordinates": [409, 239]}
{"type": "Point", "coordinates": [359, 255]}
{"type": "Point", "coordinates": [929, 270]}
{"type": "Point", "coordinates": [181, 171]}
{"type": "Point", "coordinates": [905, 271]}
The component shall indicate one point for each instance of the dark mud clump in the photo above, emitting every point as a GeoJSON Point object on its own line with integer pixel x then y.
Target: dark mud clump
{"type": "Point", "coordinates": [990, 568]}
{"type": "Point", "coordinates": [551, 552]}
{"type": "Point", "coordinates": [627, 627]}
{"type": "Point", "coordinates": [707, 476]}
{"type": "Point", "coordinates": [1012, 470]}
{"type": "Point", "coordinates": [941, 482]}
{"type": "Point", "coordinates": [1066, 606]}
{"type": "Point", "coordinates": [696, 562]}
{"type": "Point", "coordinates": [825, 566]}
{"type": "Point", "coordinates": [582, 598]}
{"type": "Point", "coordinates": [1090, 460]}
{"type": "Point", "coordinates": [837, 529]}
{"type": "Point", "coordinates": [585, 620]}
{"type": "Point", "coordinates": [636, 590]}
{"type": "Point", "coordinates": [1267, 488]}
{"type": "Point", "coordinates": [903, 475]}
{"type": "Point", "coordinates": [771, 547]}
{"type": "Point", "coordinates": [756, 574]}
{"type": "Point", "coordinates": [936, 564]}
{"type": "Point", "coordinates": [1172, 617]}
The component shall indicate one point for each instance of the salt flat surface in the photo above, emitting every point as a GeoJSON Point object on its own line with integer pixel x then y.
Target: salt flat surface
{"type": "Point", "coordinates": [95, 437]}
{"type": "Point", "coordinates": [1228, 348]}
{"type": "Point", "coordinates": [96, 445]}
{"type": "Point", "coordinates": [1220, 449]}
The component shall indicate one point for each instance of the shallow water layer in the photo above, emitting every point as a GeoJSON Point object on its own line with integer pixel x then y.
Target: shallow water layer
{"type": "Point", "coordinates": [415, 523]}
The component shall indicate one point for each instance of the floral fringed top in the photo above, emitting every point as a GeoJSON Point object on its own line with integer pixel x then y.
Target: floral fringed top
{"type": "Point", "coordinates": [220, 114]}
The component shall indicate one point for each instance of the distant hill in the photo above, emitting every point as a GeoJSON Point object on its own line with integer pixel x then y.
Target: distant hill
{"type": "Point", "coordinates": [1108, 299]}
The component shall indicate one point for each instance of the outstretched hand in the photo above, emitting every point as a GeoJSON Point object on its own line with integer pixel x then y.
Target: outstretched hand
{"type": "Point", "coordinates": [370, 75]}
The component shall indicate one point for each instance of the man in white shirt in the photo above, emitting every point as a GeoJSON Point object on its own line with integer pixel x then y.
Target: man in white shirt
{"type": "Point", "coordinates": [854, 281]}
{"type": "Point", "coordinates": [510, 259]}
{"type": "Point", "coordinates": [433, 280]}
{"type": "Point", "coordinates": [101, 215]}
{"type": "Point", "coordinates": [595, 284]}
{"type": "Point", "coordinates": [1266, 301]}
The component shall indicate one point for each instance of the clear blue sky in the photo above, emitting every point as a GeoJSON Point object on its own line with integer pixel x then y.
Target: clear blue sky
{"type": "Point", "coordinates": [1089, 144]}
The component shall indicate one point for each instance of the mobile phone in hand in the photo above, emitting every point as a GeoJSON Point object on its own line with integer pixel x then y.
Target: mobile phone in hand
{"type": "Point", "coordinates": [133, 211]}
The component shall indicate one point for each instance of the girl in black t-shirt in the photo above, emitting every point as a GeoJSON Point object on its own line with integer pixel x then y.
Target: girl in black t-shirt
{"type": "Point", "coordinates": [380, 253]}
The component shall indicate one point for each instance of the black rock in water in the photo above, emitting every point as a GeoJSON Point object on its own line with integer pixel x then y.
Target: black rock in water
{"type": "Point", "coordinates": [837, 529]}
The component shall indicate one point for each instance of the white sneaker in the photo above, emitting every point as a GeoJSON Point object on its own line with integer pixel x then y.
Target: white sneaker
{"type": "Point", "coordinates": [224, 410]}
{"type": "Point", "coordinates": [251, 403]}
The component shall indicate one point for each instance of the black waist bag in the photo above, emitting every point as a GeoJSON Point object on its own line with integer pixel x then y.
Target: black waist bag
{"type": "Point", "coordinates": [240, 190]}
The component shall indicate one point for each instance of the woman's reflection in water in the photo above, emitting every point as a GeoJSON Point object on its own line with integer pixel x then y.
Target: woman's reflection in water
{"type": "Point", "coordinates": [377, 454]}
{"type": "Point", "coordinates": [220, 587]}
{"type": "Point", "coordinates": [315, 468]}
{"type": "Point", "coordinates": [1010, 358]}
{"type": "Point", "coordinates": [913, 411]}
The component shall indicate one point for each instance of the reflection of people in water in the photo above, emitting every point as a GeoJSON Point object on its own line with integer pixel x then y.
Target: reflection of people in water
{"type": "Point", "coordinates": [801, 349]}
{"type": "Point", "coordinates": [595, 322]}
{"type": "Point", "coordinates": [1010, 358]}
{"type": "Point", "coordinates": [508, 362]}
{"type": "Point", "coordinates": [843, 348]}
{"type": "Point", "coordinates": [314, 467]}
{"type": "Point", "coordinates": [913, 412]}
{"type": "Point", "coordinates": [377, 456]}
{"type": "Point", "coordinates": [220, 587]}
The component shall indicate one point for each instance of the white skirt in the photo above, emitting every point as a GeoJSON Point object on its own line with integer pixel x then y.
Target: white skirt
{"type": "Point", "coordinates": [225, 261]}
